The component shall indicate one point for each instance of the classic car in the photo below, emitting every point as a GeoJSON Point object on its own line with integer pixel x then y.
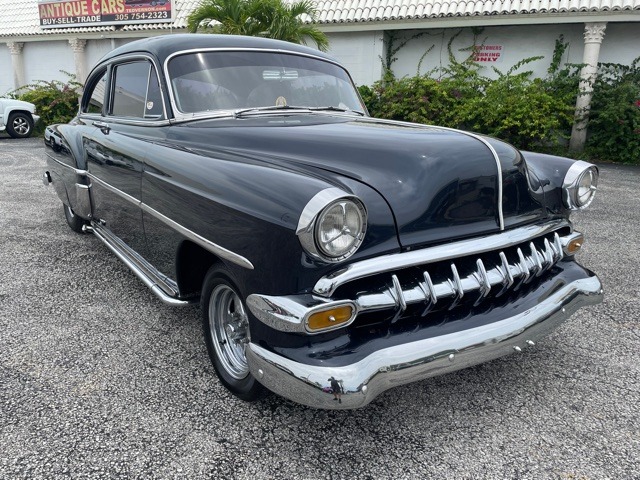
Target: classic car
{"type": "Point", "coordinates": [17, 117]}
{"type": "Point", "coordinates": [334, 255]}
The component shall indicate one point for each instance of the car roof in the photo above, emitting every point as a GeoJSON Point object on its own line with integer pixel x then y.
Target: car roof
{"type": "Point", "coordinates": [165, 45]}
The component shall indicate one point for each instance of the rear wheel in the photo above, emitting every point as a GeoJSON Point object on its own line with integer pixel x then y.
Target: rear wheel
{"type": "Point", "coordinates": [226, 331]}
{"type": "Point", "coordinates": [20, 125]}
{"type": "Point", "coordinates": [75, 222]}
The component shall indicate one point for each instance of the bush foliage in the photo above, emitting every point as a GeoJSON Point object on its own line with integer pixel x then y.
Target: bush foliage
{"type": "Point", "coordinates": [530, 113]}
{"type": "Point", "coordinates": [614, 121]}
{"type": "Point", "coordinates": [55, 101]}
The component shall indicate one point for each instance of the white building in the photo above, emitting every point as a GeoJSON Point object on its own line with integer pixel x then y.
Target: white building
{"type": "Point", "coordinates": [511, 30]}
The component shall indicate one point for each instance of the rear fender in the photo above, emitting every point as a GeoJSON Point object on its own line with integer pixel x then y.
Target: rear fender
{"type": "Point", "coordinates": [67, 169]}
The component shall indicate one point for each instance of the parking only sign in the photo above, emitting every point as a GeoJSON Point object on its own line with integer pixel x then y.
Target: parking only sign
{"type": "Point", "coordinates": [488, 53]}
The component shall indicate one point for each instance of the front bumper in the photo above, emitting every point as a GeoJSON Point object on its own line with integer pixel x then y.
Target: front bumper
{"type": "Point", "coordinates": [364, 380]}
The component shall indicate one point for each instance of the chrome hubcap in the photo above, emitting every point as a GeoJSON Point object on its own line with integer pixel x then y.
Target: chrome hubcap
{"type": "Point", "coordinates": [228, 325]}
{"type": "Point", "coordinates": [21, 126]}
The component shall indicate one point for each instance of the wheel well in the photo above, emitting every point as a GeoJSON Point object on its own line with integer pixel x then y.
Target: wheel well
{"type": "Point", "coordinates": [192, 264]}
{"type": "Point", "coordinates": [19, 111]}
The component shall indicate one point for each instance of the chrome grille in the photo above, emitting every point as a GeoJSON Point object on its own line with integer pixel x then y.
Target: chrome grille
{"type": "Point", "coordinates": [528, 262]}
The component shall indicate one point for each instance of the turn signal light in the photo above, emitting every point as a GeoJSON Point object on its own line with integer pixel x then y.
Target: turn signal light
{"type": "Point", "coordinates": [330, 319]}
{"type": "Point", "coordinates": [574, 245]}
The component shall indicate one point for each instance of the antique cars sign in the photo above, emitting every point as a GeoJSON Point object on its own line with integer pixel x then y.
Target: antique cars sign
{"type": "Point", "coordinates": [77, 13]}
{"type": "Point", "coordinates": [333, 255]}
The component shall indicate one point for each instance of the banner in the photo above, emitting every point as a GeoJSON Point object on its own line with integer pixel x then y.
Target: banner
{"type": "Point", "coordinates": [91, 13]}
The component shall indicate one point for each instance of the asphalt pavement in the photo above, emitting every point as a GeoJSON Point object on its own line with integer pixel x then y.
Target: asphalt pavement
{"type": "Point", "coordinates": [99, 379]}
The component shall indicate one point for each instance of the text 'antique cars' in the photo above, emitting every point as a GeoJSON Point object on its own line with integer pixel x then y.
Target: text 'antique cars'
{"type": "Point", "coordinates": [334, 255]}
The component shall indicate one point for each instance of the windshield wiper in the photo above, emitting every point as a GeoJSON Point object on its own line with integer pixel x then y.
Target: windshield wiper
{"type": "Point", "coordinates": [274, 108]}
{"type": "Point", "coordinates": [239, 112]}
{"type": "Point", "coordinates": [331, 108]}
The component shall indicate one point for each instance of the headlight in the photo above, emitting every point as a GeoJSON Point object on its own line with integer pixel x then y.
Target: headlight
{"type": "Point", "coordinates": [332, 225]}
{"type": "Point", "coordinates": [580, 185]}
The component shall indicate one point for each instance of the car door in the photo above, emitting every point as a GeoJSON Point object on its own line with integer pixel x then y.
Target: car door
{"type": "Point", "coordinates": [116, 150]}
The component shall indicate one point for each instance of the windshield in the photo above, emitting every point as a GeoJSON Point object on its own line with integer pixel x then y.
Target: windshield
{"type": "Point", "coordinates": [230, 80]}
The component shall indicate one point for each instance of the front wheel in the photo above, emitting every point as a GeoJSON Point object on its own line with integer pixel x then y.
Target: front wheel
{"type": "Point", "coordinates": [20, 125]}
{"type": "Point", "coordinates": [226, 331]}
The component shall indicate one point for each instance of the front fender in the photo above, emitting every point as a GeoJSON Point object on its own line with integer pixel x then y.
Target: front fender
{"type": "Point", "coordinates": [549, 171]}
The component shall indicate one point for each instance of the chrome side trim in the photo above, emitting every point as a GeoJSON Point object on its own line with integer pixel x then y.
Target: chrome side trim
{"type": "Point", "coordinates": [328, 284]}
{"type": "Point", "coordinates": [161, 289]}
{"type": "Point", "coordinates": [365, 380]}
{"type": "Point", "coordinates": [194, 237]}
{"type": "Point", "coordinates": [203, 242]}
{"type": "Point", "coordinates": [77, 171]}
{"type": "Point", "coordinates": [114, 190]}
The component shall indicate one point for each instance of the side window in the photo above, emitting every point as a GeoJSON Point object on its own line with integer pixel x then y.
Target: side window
{"type": "Point", "coordinates": [153, 102]}
{"type": "Point", "coordinates": [95, 100]}
{"type": "Point", "coordinates": [136, 92]}
{"type": "Point", "coordinates": [129, 89]}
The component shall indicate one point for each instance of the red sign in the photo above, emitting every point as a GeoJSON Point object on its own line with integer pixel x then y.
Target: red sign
{"type": "Point", "coordinates": [79, 13]}
{"type": "Point", "coordinates": [487, 53]}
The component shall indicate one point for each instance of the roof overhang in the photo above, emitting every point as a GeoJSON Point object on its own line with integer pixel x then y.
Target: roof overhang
{"type": "Point", "coordinates": [483, 21]}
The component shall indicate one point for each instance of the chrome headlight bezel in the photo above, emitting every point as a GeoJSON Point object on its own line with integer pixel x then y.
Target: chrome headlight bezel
{"type": "Point", "coordinates": [311, 220]}
{"type": "Point", "coordinates": [581, 176]}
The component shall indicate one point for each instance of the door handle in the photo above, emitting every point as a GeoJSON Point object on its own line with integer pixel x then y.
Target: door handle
{"type": "Point", "coordinates": [103, 126]}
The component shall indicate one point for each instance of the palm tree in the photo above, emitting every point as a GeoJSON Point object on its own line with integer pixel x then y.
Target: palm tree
{"type": "Point", "coordinates": [260, 18]}
{"type": "Point", "coordinates": [286, 23]}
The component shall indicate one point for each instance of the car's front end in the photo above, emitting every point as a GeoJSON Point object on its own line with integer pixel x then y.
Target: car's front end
{"type": "Point", "coordinates": [438, 304]}
{"type": "Point", "coordinates": [427, 250]}
{"type": "Point", "coordinates": [412, 315]}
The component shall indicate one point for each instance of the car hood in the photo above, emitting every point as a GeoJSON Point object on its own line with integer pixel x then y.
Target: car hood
{"type": "Point", "coordinates": [440, 184]}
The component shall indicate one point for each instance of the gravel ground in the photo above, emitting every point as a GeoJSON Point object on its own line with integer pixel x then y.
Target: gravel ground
{"type": "Point", "coordinates": [98, 379]}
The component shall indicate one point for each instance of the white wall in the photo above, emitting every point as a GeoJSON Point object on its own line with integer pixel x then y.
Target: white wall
{"type": "Point", "coordinates": [6, 70]}
{"type": "Point", "coordinates": [45, 60]}
{"type": "Point", "coordinates": [621, 45]}
{"type": "Point", "coordinates": [517, 43]}
{"type": "Point", "coordinates": [95, 50]}
{"type": "Point", "coordinates": [358, 52]}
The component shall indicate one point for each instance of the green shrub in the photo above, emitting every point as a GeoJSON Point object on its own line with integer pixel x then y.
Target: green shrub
{"type": "Point", "coordinates": [521, 110]}
{"type": "Point", "coordinates": [55, 101]}
{"type": "Point", "coordinates": [614, 120]}
{"type": "Point", "coordinates": [515, 107]}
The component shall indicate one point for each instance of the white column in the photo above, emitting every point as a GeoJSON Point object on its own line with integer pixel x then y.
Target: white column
{"type": "Point", "coordinates": [593, 35]}
{"type": "Point", "coordinates": [18, 63]}
{"type": "Point", "coordinates": [78, 44]}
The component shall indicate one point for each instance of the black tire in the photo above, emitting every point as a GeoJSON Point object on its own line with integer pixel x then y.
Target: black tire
{"type": "Point", "coordinates": [222, 307]}
{"type": "Point", "coordinates": [75, 222]}
{"type": "Point", "coordinates": [20, 125]}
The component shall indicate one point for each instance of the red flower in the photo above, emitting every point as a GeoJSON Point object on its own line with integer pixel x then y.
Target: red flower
{"type": "Point", "coordinates": [638, 103]}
